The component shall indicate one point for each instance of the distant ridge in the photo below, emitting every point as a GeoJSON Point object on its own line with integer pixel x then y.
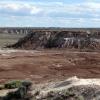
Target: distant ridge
{"type": "Point", "coordinates": [79, 39]}
{"type": "Point", "coordinates": [26, 30]}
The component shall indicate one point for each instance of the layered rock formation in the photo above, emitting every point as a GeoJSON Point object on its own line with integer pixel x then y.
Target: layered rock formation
{"type": "Point", "coordinates": [60, 39]}
{"type": "Point", "coordinates": [70, 89]}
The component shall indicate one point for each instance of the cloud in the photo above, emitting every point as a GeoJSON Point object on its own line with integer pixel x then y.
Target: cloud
{"type": "Point", "coordinates": [18, 9]}
{"type": "Point", "coordinates": [50, 13]}
{"type": "Point", "coordinates": [51, 9]}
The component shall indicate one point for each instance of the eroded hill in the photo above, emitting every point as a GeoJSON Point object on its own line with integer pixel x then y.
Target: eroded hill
{"type": "Point", "coordinates": [60, 39]}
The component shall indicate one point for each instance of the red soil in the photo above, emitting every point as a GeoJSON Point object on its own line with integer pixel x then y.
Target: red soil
{"type": "Point", "coordinates": [48, 65]}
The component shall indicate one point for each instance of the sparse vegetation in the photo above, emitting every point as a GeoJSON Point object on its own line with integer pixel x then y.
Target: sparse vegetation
{"type": "Point", "coordinates": [2, 87]}
{"type": "Point", "coordinates": [17, 84]}
{"type": "Point", "coordinates": [7, 39]}
{"type": "Point", "coordinates": [13, 84]}
{"type": "Point", "coordinates": [21, 92]}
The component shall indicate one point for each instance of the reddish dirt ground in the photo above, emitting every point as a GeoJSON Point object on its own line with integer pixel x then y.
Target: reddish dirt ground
{"type": "Point", "coordinates": [40, 66]}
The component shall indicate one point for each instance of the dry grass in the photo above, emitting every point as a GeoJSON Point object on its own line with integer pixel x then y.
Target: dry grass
{"type": "Point", "coordinates": [6, 39]}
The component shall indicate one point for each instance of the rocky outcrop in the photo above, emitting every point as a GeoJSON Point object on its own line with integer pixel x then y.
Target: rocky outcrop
{"type": "Point", "coordinates": [70, 89]}
{"type": "Point", "coordinates": [59, 39]}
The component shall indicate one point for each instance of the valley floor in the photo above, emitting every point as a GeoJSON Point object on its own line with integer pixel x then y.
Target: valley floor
{"type": "Point", "coordinates": [48, 65]}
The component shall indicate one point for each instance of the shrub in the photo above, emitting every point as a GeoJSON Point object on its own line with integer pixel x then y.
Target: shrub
{"type": "Point", "coordinates": [16, 95]}
{"type": "Point", "coordinates": [27, 84]}
{"type": "Point", "coordinates": [13, 84]}
{"type": "Point", "coordinates": [2, 87]}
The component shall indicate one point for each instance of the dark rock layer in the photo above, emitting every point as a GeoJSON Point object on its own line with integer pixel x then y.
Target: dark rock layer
{"type": "Point", "coordinates": [59, 39]}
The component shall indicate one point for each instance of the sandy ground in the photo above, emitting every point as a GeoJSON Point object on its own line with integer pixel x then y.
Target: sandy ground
{"type": "Point", "coordinates": [40, 66]}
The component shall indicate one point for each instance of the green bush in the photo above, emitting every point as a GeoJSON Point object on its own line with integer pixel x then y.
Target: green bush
{"type": "Point", "coordinates": [27, 84]}
{"type": "Point", "coordinates": [17, 84]}
{"type": "Point", "coordinates": [13, 84]}
{"type": "Point", "coordinates": [2, 87]}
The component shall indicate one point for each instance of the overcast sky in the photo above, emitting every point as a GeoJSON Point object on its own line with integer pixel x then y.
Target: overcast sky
{"type": "Point", "coordinates": [50, 13]}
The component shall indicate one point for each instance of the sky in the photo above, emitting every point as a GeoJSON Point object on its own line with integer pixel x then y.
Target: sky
{"type": "Point", "coordinates": [50, 13]}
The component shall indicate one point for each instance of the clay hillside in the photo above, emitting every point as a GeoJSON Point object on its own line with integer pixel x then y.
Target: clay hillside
{"type": "Point", "coordinates": [59, 39]}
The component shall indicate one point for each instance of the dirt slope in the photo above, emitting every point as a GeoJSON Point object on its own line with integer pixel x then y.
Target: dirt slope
{"type": "Point", "coordinates": [46, 65]}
